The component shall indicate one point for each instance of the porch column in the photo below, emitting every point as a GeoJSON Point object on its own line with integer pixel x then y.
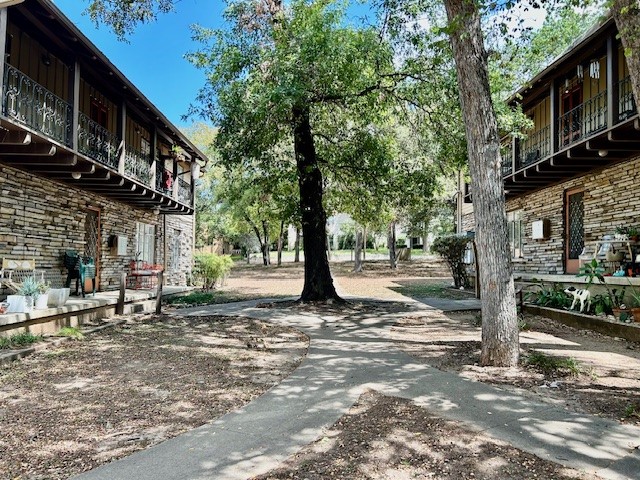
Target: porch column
{"type": "Point", "coordinates": [122, 130]}
{"type": "Point", "coordinates": [174, 194]}
{"type": "Point", "coordinates": [553, 123]}
{"type": "Point", "coordinates": [154, 157]}
{"type": "Point", "coordinates": [514, 153]}
{"type": "Point", "coordinates": [3, 49]}
{"type": "Point", "coordinates": [612, 82]}
{"type": "Point", "coordinates": [75, 98]}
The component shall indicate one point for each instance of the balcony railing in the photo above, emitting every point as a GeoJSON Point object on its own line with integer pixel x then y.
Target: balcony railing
{"type": "Point", "coordinates": [584, 120]}
{"type": "Point", "coordinates": [184, 192]}
{"type": "Point", "coordinates": [536, 147]}
{"type": "Point", "coordinates": [97, 142]}
{"type": "Point", "coordinates": [626, 101]}
{"type": "Point", "coordinates": [137, 165]}
{"type": "Point", "coordinates": [30, 103]}
{"type": "Point", "coordinates": [506, 151]}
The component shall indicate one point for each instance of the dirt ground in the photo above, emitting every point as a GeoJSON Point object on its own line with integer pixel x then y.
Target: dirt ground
{"type": "Point", "coordinates": [70, 408]}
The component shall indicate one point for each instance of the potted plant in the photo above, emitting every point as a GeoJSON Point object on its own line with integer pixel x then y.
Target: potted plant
{"type": "Point", "coordinates": [618, 307]}
{"type": "Point", "coordinates": [23, 301]}
{"type": "Point", "coordinates": [633, 234]}
{"type": "Point", "coordinates": [42, 298]}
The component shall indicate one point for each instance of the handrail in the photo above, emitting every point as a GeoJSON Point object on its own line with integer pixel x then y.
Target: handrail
{"type": "Point", "coordinates": [97, 142]}
{"type": "Point", "coordinates": [30, 103]}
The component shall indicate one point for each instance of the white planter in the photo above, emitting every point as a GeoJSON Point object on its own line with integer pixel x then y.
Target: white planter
{"type": "Point", "coordinates": [19, 304]}
{"type": "Point", "coordinates": [58, 297]}
{"type": "Point", "coordinates": [41, 301]}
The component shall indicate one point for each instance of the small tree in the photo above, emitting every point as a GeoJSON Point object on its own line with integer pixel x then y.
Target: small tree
{"type": "Point", "coordinates": [452, 248]}
{"type": "Point", "coordinates": [210, 268]}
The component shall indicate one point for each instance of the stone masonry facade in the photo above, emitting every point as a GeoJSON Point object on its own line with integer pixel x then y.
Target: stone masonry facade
{"type": "Point", "coordinates": [40, 219]}
{"type": "Point", "coordinates": [610, 200]}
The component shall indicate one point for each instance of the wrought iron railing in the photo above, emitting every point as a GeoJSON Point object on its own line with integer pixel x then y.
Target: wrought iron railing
{"type": "Point", "coordinates": [584, 120]}
{"type": "Point", "coordinates": [30, 103]}
{"type": "Point", "coordinates": [536, 147]}
{"type": "Point", "coordinates": [506, 152]}
{"type": "Point", "coordinates": [184, 192]}
{"type": "Point", "coordinates": [137, 165]}
{"type": "Point", "coordinates": [626, 101]}
{"type": "Point", "coordinates": [97, 142]}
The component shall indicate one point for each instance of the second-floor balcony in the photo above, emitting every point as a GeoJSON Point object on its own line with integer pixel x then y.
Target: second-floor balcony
{"type": "Point", "coordinates": [91, 157]}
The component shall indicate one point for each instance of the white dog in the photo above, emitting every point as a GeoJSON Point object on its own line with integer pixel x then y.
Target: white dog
{"type": "Point", "coordinates": [580, 294]}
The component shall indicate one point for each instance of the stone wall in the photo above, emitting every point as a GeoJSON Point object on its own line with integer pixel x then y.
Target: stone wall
{"type": "Point", "coordinates": [40, 219]}
{"type": "Point", "coordinates": [610, 200]}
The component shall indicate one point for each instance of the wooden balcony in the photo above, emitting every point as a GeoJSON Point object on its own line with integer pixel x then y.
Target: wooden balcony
{"type": "Point", "coordinates": [44, 135]}
{"type": "Point", "coordinates": [600, 131]}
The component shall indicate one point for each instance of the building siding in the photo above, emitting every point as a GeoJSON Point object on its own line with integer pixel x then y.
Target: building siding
{"type": "Point", "coordinates": [610, 200]}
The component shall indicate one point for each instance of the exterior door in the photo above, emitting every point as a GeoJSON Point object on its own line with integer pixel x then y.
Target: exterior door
{"type": "Point", "coordinates": [574, 229]}
{"type": "Point", "coordinates": [92, 242]}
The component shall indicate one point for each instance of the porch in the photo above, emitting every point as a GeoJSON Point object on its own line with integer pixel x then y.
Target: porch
{"type": "Point", "coordinates": [78, 310]}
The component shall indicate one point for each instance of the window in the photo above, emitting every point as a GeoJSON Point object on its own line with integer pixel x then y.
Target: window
{"type": "Point", "coordinates": [514, 225]}
{"type": "Point", "coordinates": [145, 242]}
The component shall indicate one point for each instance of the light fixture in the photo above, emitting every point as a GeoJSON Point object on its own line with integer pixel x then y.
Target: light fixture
{"type": "Point", "coordinates": [580, 72]}
{"type": "Point", "coordinates": [46, 59]}
{"type": "Point", "coordinates": [566, 85]}
{"type": "Point", "coordinates": [156, 211]}
{"type": "Point", "coordinates": [594, 69]}
{"type": "Point", "coordinates": [76, 175]}
{"type": "Point", "coordinates": [603, 153]}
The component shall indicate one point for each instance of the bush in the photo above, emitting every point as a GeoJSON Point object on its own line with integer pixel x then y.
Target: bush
{"type": "Point", "coordinates": [209, 268]}
{"type": "Point", "coordinates": [452, 248]}
{"type": "Point", "coordinates": [549, 296]}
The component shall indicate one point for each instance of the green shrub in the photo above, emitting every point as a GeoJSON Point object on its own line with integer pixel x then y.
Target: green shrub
{"type": "Point", "coordinates": [549, 296]}
{"type": "Point", "coordinates": [71, 332]}
{"type": "Point", "coordinates": [209, 268]}
{"type": "Point", "coordinates": [452, 248]}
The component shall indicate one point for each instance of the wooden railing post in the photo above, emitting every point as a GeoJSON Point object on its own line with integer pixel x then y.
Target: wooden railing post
{"type": "Point", "coordinates": [159, 293]}
{"type": "Point", "coordinates": [123, 284]}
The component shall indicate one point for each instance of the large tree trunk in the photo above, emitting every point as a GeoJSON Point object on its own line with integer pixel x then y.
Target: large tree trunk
{"type": "Point", "coordinates": [296, 246]}
{"type": "Point", "coordinates": [627, 16]}
{"type": "Point", "coordinates": [357, 267]}
{"type": "Point", "coordinates": [280, 239]}
{"type": "Point", "coordinates": [266, 259]}
{"type": "Point", "coordinates": [391, 243]}
{"type": "Point", "coordinates": [500, 345]}
{"type": "Point", "coordinates": [425, 234]}
{"type": "Point", "coordinates": [318, 284]}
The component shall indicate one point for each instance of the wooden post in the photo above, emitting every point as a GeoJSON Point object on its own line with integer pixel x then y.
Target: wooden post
{"type": "Point", "coordinates": [159, 293]}
{"type": "Point", "coordinates": [123, 284]}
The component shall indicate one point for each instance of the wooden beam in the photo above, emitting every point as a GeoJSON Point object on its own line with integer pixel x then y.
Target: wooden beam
{"type": "Point", "coordinates": [632, 138]}
{"type": "Point", "coordinates": [83, 168]}
{"type": "Point", "coordinates": [15, 137]}
{"type": "Point", "coordinates": [613, 147]}
{"type": "Point", "coordinates": [44, 149]}
{"type": "Point", "coordinates": [30, 160]}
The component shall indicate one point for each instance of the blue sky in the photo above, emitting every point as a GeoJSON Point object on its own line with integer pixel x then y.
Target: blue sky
{"type": "Point", "coordinates": [154, 58]}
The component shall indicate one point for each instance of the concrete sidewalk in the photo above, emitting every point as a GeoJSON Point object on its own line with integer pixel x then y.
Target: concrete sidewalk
{"type": "Point", "coordinates": [346, 356]}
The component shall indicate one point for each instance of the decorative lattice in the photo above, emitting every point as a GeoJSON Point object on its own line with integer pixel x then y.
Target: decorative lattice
{"type": "Point", "coordinates": [576, 225]}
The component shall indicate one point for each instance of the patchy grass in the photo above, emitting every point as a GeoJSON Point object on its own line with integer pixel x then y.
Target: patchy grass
{"type": "Point", "coordinates": [18, 340]}
{"type": "Point", "coordinates": [438, 290]}
{"type": "Point", "coordinates": [553, 366]}
{"type": "Point", "coordinates": [212, 297]}
{"type": "Point", "coordinates": [71, 332]}
{"type": "Point", "coordinates": [632, 410]}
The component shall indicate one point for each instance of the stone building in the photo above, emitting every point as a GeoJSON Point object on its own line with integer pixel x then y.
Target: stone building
{"type": "Point", "coordinates": [87, 163]}
{"type": "Point", "coordinates": [571, 184]}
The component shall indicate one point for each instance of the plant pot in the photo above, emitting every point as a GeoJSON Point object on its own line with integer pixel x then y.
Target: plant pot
{"type": "Point", "coordinates": [622, 314]}
{"type": "Point", "coordinates": [58, 297]}
{"type": "Point", "coordinates": [635, 312]}
{"type": "Point", "coordinates": [19, 304]}
{"type": "Point", "coordinates": [42, 301]}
